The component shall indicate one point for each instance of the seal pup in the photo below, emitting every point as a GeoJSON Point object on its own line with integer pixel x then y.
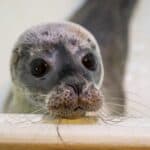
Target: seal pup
{"type": "Point", "coordinates": [57, 68]}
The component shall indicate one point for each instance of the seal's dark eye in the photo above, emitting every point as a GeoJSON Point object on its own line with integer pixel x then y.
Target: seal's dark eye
{"type": "Point", "coordinates": [89, 61]}
{"type": "Point", "coordinates": [39, 67]}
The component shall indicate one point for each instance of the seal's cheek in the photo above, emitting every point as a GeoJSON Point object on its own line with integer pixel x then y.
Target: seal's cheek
{"type": "Point", "coordinates": [91, 99]}
{"type": "Point", "coordinates": [62, 98]}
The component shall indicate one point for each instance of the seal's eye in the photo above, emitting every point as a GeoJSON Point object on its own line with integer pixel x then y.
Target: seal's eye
{"type": "Point", "coordinates": [89, 61]}
{"type": "Point", "coordinates": [39, 67]}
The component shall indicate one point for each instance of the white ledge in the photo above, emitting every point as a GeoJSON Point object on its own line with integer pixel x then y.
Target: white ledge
{"type": "Point", "coordinates": [19, 131]}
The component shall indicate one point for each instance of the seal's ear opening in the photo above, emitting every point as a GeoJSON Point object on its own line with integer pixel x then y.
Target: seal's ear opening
{"type": "Point", "coordinates": [14, 61]}
{"type": "Point", "coordinates": [20, 51]}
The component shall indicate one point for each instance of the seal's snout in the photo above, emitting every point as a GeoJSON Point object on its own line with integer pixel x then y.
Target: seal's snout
{"type": "Point", "coordinates": [73, 100]}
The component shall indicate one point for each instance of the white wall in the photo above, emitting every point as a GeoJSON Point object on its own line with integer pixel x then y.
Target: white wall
{"type": "Point", "coordinates": [138, 70]}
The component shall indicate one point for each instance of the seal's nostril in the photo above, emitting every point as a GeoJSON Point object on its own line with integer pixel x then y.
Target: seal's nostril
{"type": "Point", "coordinates": [77, 87]}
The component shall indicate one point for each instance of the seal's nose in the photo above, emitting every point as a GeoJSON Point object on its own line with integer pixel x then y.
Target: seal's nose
{"type": "Point", "coordinates": [77, 87]}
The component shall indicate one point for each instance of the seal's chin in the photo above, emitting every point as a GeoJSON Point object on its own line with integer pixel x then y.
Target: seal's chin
{"type": "Point", "coordinates": [68, 114]}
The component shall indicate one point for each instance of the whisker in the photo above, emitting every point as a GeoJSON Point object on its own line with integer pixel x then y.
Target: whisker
{"type": "Point", "coordinates": [129, 99]}
{"type": "Point", "coordinates": [38, 110]}
{"type": "Point", "coordinates": [109, 120]}
{"type": "Point", "coordinates": [139, 104]}
{"type": "Point", "coordinates": [132, 107]}
{"type": "Point", "coordinates": [58, 132]}
{"type": "Point", "coordinates": [107, 114]}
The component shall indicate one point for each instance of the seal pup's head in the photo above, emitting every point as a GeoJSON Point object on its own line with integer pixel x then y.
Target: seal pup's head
{"type": "Point", "coordinates": [58, 66]}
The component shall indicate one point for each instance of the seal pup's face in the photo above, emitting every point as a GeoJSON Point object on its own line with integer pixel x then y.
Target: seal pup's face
{"type": "Point", "coordinates": [58, 66]}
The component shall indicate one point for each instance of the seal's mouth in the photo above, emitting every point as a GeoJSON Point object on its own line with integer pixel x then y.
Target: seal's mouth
{"type": "Point", "coordinates": [78, 108]}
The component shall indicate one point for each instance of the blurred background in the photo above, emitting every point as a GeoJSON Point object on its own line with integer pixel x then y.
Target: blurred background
{"type": "Point", "coordinates": [18, 15]}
